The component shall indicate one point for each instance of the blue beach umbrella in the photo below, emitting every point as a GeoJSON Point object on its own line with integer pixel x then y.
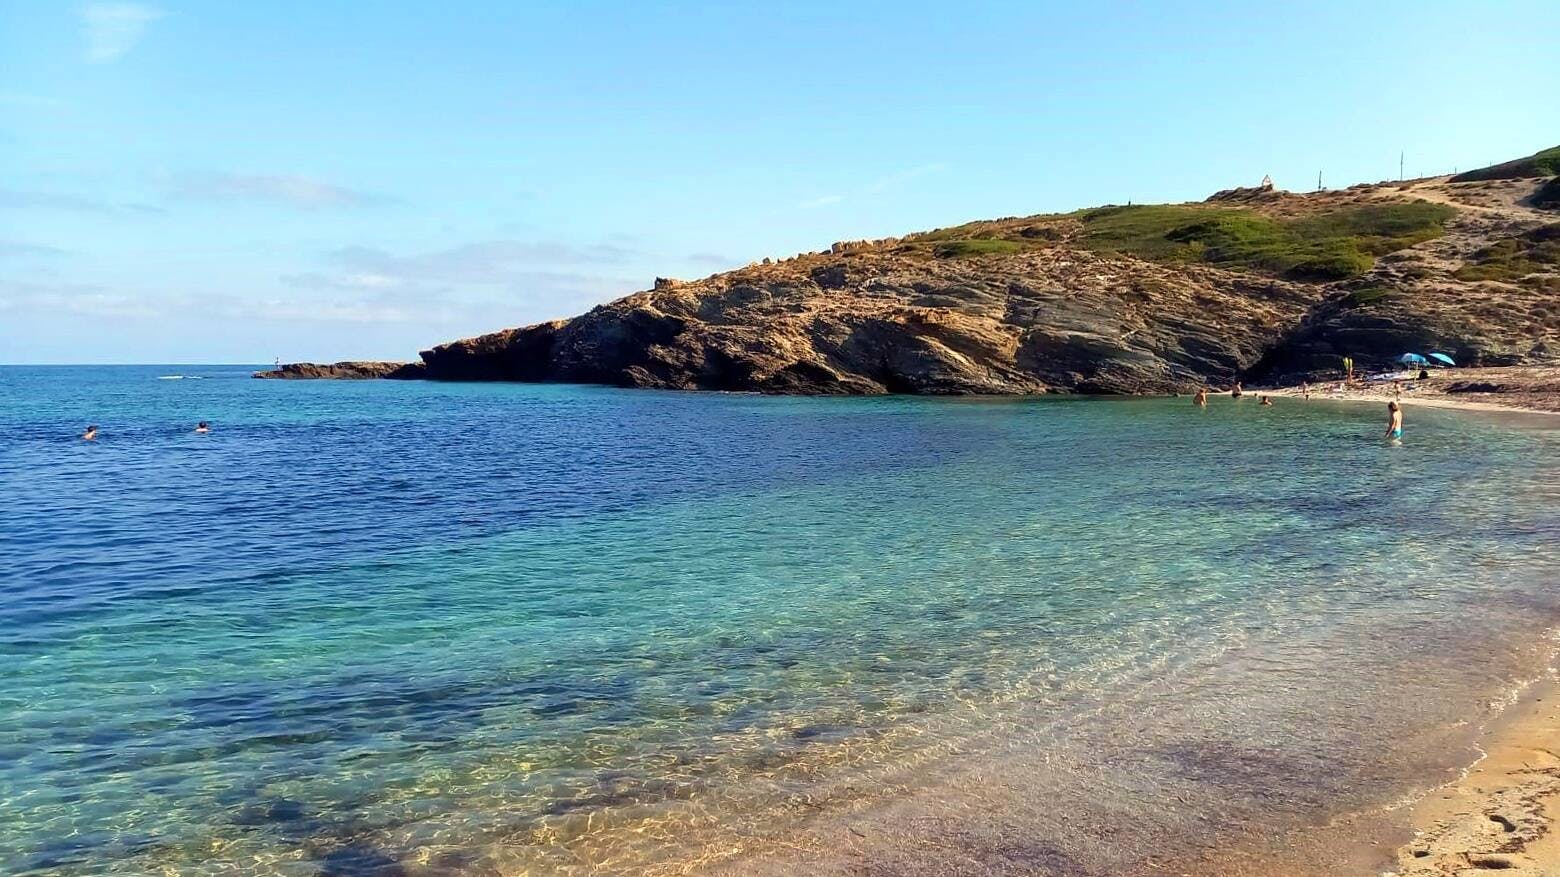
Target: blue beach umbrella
{"type": "Point", "coordinates": [1412, 359]}
{"type": "Point", "coordinates": [1442, 358]}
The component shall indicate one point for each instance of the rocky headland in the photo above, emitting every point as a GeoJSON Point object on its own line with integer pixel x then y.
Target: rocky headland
{"type": "Point", "coordinates": [348, 370]}
{"type": "Point", "coordinates": [1253, 284]}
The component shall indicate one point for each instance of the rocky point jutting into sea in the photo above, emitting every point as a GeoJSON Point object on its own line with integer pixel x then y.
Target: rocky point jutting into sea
{"type": "Point", "coordinates": [1253, 283]}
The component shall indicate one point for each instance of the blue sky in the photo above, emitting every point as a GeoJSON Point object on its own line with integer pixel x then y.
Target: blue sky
{"type": "Point", "coordinates": [233, 182]}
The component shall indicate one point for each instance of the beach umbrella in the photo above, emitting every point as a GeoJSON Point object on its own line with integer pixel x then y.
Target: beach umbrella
{"type": "Point", "coordinates": [1412, 359]}
{"type": "Point", "coordinates": [1442, 358]}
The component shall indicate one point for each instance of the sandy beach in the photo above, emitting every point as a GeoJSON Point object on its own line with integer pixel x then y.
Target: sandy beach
{"type": "Point", "coordinates": [1533, 389]}
{"type": "Point", "coordinates": [1500, 815]}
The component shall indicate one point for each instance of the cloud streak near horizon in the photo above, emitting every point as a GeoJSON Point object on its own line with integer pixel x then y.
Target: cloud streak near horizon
{"type": "Point", "coordinates": [16, 199]}
{"type": "Point", "coordinates": [480, 262]}
{"type": "Point", "coordinates": [292, 190]}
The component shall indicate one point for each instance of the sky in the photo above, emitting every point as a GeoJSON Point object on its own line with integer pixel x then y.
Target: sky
{"type": "Point", "coordinates": [215, 182]}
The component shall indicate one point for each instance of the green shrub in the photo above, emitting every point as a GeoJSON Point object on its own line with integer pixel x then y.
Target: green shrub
{"type": "Point", "coordinates": [1511, 259]}
{"type": "Point", "coordinates": [1362, 297]}
{"type": "Point", "coordinates": [1334, 264]}
{"type": "Point", "coordinates": [1540, 164]}
{"type": "Point", "coordinates": [979, 247]}
{"type": "Point", "coordinates": [1327, 246]}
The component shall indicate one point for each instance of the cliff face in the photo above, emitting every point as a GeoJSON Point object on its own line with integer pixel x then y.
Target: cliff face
{"type": "Point", "coordinates": [1254, 283]}
{"type": "Point", "coordinates": [1050, 320]}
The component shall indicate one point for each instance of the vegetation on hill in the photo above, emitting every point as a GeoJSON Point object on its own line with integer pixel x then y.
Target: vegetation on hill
{"type": "Point", "coordinates": [1329, 245]}
{"type": "Point", "coordinates": [960, 249]}
{"type": "Point", "coordinates": [1324, 246]}
{"type": "Point", "coordinates": [1539, 164]}
{"type": "Point", "coordinates": [1360, 298]}
{"type": "Point", "coordinates": [1513, 259]}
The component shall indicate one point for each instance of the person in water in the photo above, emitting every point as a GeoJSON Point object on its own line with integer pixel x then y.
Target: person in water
{"type": "Point", "coordinates": [1235, 391]}
{"type": "Point", "coordinates": [203, 426]}
{"type": "Point", "coordinates": [90, 434]}
{"type": "Point", "coordinates": [1264, 400]}
{"type": "Point", "coordinates": [1201, 399]}
{"type": "Point", "coordinates": [1394, 421]}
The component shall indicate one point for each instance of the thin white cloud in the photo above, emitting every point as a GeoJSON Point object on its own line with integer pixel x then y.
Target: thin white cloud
{"type": "Point", "coordinates": [482, 262]}
{"type": "Point", "coordinates": [292, 190]}
{"type": "Point", "coordinates": [113, 29]}
{"type": "Point", "coordinates": [504, 281]}
{"type": "Point", "coordinates": [881, 184]}
{"type": "Point", "coordinates": [22, 250]}
{"type": "Point", "coordinates": [17, 199]}
{"type": "Point", "coordinates": [824, 201]}
{"type": "Point", "coordinates": [79, 299]}
{"type": "Point", "coordinates": [14, 199]}
{"type": "Point", "coordinates": [705, 257]}
{"type": "Point", "coordinates": [36, 101]}
{"type": "Point", "coordinates": [91, 300]}
{"type": "Point", "coordinates": [896, 179]}
{"type": "Point", "coordinates": [350, 282]}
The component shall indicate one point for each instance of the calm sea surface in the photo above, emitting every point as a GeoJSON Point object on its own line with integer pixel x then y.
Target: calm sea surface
{"type": "Point", "coordinates": [382, 628]}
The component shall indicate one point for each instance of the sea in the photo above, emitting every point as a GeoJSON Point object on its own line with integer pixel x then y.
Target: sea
{"type": "Point", "coordinates": [405, 629]}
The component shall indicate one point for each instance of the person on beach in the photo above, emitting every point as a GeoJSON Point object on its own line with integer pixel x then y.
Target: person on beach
{"type": "Point", "coordinates": [90, 434]}
{"type": "Point", "coordinates": [1395, 422]}
{"type": "Point", "coordinates": [1201, 399]}
{"type": "Point", "coordinates": [203, 426]}
{"type": "Point", "coordinates": [1397, 389]}
{"type": "Point", "coordinates": [1305, 390]}
{"type": "Point", "coordinates": [1235, 391]}
{"type": "Point", "coordinates": [1264, 400]}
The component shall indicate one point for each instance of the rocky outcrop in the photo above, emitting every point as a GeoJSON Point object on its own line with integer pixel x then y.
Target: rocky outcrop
{"type": "Point", "coordinates": [1548, 196]}
{"type": "Point", "coordinates": [1047, 321]}
{"type": "Point", "coordinates": [1034, 305]}
{"type": "Point", "coordinates": [348, 370]}
{"type": "Point", "coordinates": [1415, 301]}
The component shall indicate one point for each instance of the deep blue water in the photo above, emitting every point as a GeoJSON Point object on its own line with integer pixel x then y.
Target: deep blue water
{"type": "Point", "coordinates": [415, 628]}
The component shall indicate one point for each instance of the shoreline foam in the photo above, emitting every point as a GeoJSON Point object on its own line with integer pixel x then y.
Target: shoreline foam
{"type": "Point", "coordinates": [1500, 814]}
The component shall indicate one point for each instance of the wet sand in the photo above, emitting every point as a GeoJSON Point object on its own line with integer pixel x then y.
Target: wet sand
{"type": "Point", "coordinates": [1501, 815]}
{"type": "Point", "coordinates": [1075, 812]}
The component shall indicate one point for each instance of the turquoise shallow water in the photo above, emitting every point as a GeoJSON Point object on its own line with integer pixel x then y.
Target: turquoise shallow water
{"type": "Point", "coordinates": [406, 628]}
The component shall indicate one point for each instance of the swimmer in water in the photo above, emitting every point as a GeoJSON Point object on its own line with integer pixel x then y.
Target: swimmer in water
{"type": "Point", "coordinates": [1201, 399]}
{"type": "Point", "coordinates": [1235, 391]}
{"type": "Point", "coordinates": [90, 434]}
{"type": "Point", "coordinates": [1265, 401]}
{"type": "Point", "coordinates": [1395, 422]}
{"type": "Point", "coordinates": [203, 426]}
